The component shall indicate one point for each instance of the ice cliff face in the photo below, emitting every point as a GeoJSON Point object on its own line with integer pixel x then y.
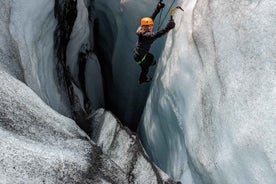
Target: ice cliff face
{"type": "Point", "coordinates": [44, 46]}
{"type": "Point", "coordinates": [210, 116]}
{"type": "Point", "coordinates": [38, 145]}
{"type": "Point", "coordinates": [123, 148]}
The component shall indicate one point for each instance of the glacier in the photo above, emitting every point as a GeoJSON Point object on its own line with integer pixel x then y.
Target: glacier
{"type": "Point", "coordinates": [39, 145]}
{"type": "Point", "coordinates": [207, 117]}
{"type": "Point", "coordinates": [44, 46]}
{"type": "Point", "coordinates": [210, 116]}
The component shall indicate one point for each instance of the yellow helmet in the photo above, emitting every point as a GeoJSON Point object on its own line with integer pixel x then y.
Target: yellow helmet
{"type": "Point", "coordinates": [146, 21]}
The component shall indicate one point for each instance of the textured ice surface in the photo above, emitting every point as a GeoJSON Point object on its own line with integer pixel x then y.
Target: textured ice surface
{"type": "Point", "coordinates": [28, 30]}
{"type": "Point", "coordinates": [124, 148]}
{"type": "Point", "coordinates": [32, 27]}
{"type": "Point", "coordinates": [210, 116]}
{"type": "Point", "coordinates": [38, 144]}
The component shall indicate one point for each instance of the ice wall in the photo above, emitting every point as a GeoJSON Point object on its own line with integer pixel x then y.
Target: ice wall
{"type": "Point", "coordinates": [38, 143]}
{"type": "Point", "coordinates": [210, 116]}
{"type": "Point", "coordinates": [33, 31]}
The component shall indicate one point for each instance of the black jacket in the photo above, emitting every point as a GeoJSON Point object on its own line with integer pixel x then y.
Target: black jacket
{"type": "Point", "coordinates": [146, 39]}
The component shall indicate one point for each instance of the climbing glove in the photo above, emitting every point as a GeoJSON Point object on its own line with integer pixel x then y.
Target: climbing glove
{"type": "Point", "coordinates": [160, 6]}
{"type": "Point", "coordinates": [171, 24]}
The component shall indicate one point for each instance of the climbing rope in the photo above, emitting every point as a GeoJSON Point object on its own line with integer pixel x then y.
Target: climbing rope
{"type": "Point", "coordinates": [160, 16]}
{"type": "Point", "coordinates": [160, 24]}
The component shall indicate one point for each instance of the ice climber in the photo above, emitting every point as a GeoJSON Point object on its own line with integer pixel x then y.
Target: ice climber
{"type": "Point", "coordinates": [146, 37]}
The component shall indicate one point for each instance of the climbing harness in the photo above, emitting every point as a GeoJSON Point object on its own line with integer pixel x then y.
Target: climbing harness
{"type": "Point", "coordinates": [143, 59]}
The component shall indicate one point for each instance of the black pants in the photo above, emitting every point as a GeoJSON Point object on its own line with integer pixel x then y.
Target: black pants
{"type": "Point", "coordinates": [149, 60]}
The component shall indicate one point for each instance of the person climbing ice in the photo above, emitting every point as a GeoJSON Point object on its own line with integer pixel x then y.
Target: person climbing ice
{"type": "Point", "coordinates": [146, 37]}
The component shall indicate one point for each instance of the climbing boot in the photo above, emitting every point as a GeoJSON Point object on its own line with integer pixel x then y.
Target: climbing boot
{"type": "Point", "coordinates": [148, 79]}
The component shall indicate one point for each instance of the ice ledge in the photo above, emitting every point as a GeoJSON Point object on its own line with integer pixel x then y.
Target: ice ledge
{"type": "Point", "coordinates": [38, 145]}
{"type": "Point", "coordinates": [124, 148]}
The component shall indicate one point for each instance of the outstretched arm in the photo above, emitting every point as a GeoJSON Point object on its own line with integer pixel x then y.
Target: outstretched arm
{"type": "Point", "coordinates": [151, 35]}
{"type": "Point", "coordinates": [159, 6]}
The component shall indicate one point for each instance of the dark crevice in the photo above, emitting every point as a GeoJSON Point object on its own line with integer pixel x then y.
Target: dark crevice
{"type": "Point", "coordinates": [105, 31]}
{"type": "Point", "coordinates": [66, 14]}
{"type": "Point", "coordinates": [104, 58]}
{"type": "Point", "coordinates": [82, 60]}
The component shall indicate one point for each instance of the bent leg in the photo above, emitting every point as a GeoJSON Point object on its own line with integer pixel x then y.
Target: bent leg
{"type": "Point", "coordinates": [149, 60]}
{"type": "Point", "coordinates": [144, 71]}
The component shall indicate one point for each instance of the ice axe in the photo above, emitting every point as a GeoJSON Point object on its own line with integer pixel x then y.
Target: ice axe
{"type": "Point", "coordinates": [173, 11]}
